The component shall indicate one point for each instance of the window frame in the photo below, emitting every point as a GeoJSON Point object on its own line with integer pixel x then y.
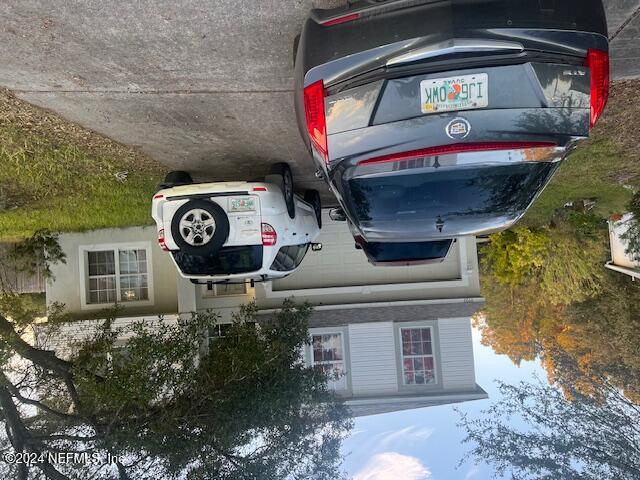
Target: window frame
{"type": "Point", "coordinates": [432, 355]}
{"type": "Point", "coordinates": [437, 385]}
{"type": "Point", "coordinates": [300, 247]}
{"type": "Point", "coordinates": [83, 256]}
{"type": "Point", "coordinates": [346, 377]}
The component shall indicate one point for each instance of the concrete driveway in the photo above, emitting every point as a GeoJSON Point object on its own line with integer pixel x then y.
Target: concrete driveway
{"type": "Point", "coordinates": [199, 85]}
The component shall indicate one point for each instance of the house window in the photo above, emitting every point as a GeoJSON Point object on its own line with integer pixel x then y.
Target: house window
{"type": "Point", "coordinates": [328, 355]}
{"type": "Point", "coordinates": [418, 364]}
{"type": "Point", "coordinates": [117, 275]}
{"type": "Point", "coordinates": [225, 289]}
{"type": "Point", "coordinates": [221, 330]}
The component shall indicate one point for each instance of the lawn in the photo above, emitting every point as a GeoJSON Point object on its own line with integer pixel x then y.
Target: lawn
{"type": "Point", "coordinates": [61, 177]}
{"type": "Point", "coordinates": [605, 168]}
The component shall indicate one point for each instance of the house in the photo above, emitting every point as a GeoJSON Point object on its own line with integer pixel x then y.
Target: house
{"type": "Point", "coordinates": [397, 337]}
{"type": "Point", "coordinates": [620, 260]}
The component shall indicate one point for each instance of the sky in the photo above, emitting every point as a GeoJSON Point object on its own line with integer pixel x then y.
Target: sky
{"type": "Point", "coordinates": [425, 444]}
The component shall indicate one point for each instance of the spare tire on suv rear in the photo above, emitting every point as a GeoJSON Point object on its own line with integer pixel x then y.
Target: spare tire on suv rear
{"type": "Point", "coordinates": [200, 227]}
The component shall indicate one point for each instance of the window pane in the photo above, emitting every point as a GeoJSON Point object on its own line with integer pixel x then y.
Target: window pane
{"type": "Point", "coordinates": [133, 287]}
{"type": "Point", "coordinates": [231, 289]}
{"type": "Point", "coordinates": [102, 290]}
{"type": "Point", "coordinates": [101, 263]}
{"type": "Point", "coordinates": [327, 348]}
{"type": "Point", "coordinates": [133, 261]}
{"type": "Point", "coordinates": [426, 334]}
{"type": "Point", "coordinates": [428, 363]}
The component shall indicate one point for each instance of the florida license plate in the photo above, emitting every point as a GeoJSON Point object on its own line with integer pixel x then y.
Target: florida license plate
{"type": "Point", "coordinates": [464, 92]}
{"type": "Point", "coordinates": [242, 204]}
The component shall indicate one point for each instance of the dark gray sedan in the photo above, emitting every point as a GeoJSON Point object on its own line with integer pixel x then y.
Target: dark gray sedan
{"type": "Point", "coordinates": [440, 118]}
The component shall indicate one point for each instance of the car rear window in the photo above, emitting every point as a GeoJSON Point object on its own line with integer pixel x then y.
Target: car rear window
{"type": "Point", "coordinates": [228, 260]}
{"type": "Point", "coordinates": [407, 251]}
{"type": "Point", "coordinates": [461, 197]}
{"type": "Point", "coordinates": [289, 257]}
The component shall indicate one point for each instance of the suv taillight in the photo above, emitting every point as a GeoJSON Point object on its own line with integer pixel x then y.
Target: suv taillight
{"type": "Point", "coordinates": [269, 235]}
{"type": "Point", "coordinates": [161, 242]}
{"type": "Point", "coordinates": [338, 20]}
{"type": "Point", "coordinates": [455, 149]}
{"type": "Point", "coordinates": [316, 121]}
{"type": "Point", "coordinates": [598, 62]}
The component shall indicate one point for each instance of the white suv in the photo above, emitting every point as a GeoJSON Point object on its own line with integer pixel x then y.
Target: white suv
{"type": "Point", "coordinates": [230, 232]}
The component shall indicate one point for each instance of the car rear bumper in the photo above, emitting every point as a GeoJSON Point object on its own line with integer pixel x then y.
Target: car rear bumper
{"type": "Point", "coordinates": [572, 24]}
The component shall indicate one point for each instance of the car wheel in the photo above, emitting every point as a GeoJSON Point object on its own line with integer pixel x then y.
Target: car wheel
{"type": "Point", "coordinates": [177, 177]}
{"type": "Point", "coordinates": [200, 227]}
{"type": "Point", "coordinates": [312, 197]}
{"type": "Point", "coordinates": [285, 180]}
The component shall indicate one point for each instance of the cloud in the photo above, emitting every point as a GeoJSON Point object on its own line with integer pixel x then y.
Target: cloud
{"type": "Point", "coordinates": [410, 434]}
{"type": "Point", "coordinates": [393, 466]}
{"type": "Point", "coordinates": [472, 473]}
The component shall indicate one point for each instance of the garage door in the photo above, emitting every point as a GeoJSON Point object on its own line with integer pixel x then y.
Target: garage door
{"type": "Point", "coordinates": [339, 264]}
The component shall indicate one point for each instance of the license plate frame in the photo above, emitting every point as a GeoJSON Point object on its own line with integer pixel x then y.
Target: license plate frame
{"type": "Point", "coordinates": [450, 94]}
{"type": "Point", "coordinates": [242, 204]}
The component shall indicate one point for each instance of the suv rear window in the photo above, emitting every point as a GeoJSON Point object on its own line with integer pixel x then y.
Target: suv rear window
{"type": "Point", "coordinates": [228, 260]}
{"type": "Point", "coordinates": [289, 258]}
{"type": "Point", "coordinates": [414, 251]}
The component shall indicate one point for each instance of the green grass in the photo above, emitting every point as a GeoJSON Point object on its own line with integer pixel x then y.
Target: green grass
{"type": "Point", "coordinates": [62, 186]}
{"type": "Point", "coordinates": [590, 172]}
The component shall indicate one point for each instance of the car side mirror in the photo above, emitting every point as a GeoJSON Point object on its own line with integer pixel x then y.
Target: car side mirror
{"type": "Point", "coordinates": [337, 215]}
{"type": "Point", "coordinates": [316, 247]}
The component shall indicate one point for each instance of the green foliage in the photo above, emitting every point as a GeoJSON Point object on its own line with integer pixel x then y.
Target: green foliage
{"type": "Point", "coordinates": [534, 433]}
{"type": "Point", "coordinates": [632, 235]}
{"type": "Point", "coordinates": [68, 186]}
{"type": "Point", "coordinates": [573, 268]}
{"type": "Point", "coordinates": [565, 262]}
{"type": "Point", "coordinates": [585, 224]}
{"type": "Point", "coordinates": [514, 255]}
{"type": "Point", "coordinates": [182, 405]}
{"type": "Point", "coordinates": [37, 252]}
{"type": "Point", "coordinates": [587, 173]}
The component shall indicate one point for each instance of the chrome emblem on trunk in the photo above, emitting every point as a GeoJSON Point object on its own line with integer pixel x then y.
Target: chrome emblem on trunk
{"type": "Point", "coordinates": [458, 128]}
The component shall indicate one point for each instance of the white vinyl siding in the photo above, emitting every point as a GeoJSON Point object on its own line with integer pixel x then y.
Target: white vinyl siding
{"type": "Point", "coordinates": [373, 358]}
{"type": "Point", "coordinates": [457, 353]}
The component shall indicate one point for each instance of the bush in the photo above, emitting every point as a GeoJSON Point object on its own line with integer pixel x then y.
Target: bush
{"type": "Point", "coordinates": [632, 235]}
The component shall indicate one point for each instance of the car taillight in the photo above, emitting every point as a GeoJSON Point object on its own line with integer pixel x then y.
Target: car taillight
{"type": "Point", "coordinates": [345, 18]}
{"type": "Point", "coordinates": [456, 148]}
{"type": "Point", "coordinates": [598, 62]}
{"type": "Point", "coordinates": [161, 241]}
{"type": "Point", "coordinates": [269, 235]}
{"type": "Point", "coordinates": [314, 113]}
